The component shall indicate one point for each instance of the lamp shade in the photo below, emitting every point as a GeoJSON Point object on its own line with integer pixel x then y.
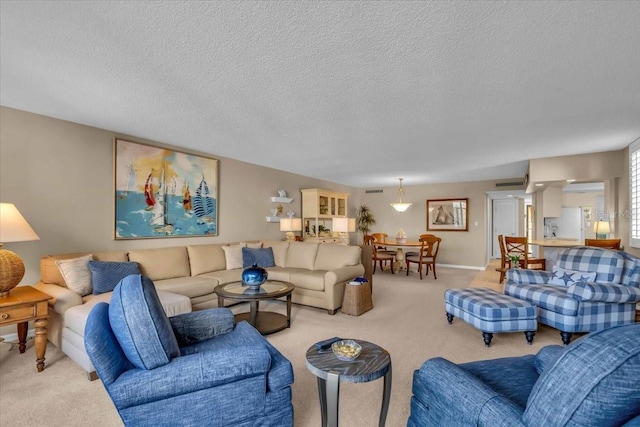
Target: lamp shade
{"type": "Point", "coordinates": [601, 227]}
{"type": "Point", "coordinates": [290, 224]}
{"type": "Point", "coordinates": [341, 225]}
{"type": "Point", "coordinates": [13, 226]}
{"type": "Point", "coordinates": [352, 225]}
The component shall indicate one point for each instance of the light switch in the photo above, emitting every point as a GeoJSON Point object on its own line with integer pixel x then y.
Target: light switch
{"type": "Point", "coordinates": [475, 223]}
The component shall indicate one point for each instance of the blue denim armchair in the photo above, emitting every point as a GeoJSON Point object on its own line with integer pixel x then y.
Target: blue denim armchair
{"type": "Point", "coordinates": [593, 382]}
{"type": "Point", "coordinates": [192, 369]}
{"type": "Point", "coordinates": [583, 306]}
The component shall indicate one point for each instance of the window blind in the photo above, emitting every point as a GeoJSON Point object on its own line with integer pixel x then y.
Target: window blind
{"type": "Point", "coordinates": [634, 193]}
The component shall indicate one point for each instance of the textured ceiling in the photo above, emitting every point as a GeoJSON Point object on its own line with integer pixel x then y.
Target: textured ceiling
{"type": "Point", "coordinates": [359, 93]}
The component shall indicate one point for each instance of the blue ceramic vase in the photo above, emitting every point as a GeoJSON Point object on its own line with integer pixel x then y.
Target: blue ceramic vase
{"type": "Point", "coordinates": [254, 276]}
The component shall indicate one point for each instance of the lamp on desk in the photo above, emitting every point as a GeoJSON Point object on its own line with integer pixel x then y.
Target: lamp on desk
{"type": "Point", "coordinates": [290, 225]}
{"type": "Point", "coordinates": [13, 228]}
{"type": "Point", "coordinates": [344, 226]}
{"type": "Point", "coordinates": [601, 228]}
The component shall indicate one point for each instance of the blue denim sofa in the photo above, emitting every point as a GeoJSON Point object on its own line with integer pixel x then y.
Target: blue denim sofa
{"type": "Point", "coordinates": [593, 382]}
{"type": "Point", "coordinates": [582, 306]}
{"type": "Point", "coordinates": [193, 369]}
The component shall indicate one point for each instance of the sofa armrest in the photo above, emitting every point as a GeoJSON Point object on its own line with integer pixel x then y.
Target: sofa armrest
{"type": "Point", "coordinates": [445, 385]}
{"type": "Point", "coordinates": [342, 274]}
{"type": "Point", "coordinates": [63, 298]}
{"type": "Point", "coordinates": [201, 325]}
{"type": "Point", "coordinates": [528, 277]}
{"type": "Point", "coordinates": [186, 374]}
{"type": "Point", "coordinates": [603, 292]}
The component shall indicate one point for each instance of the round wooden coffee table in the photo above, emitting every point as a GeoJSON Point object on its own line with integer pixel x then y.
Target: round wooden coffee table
{"type": "Point", "coordinates": [267, 322]}
{"type": "Point", "coordinates": [373, 363]}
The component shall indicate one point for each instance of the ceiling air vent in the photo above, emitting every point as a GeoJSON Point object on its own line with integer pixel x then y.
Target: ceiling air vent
{"type": "Point", "coordinates": [373, 191]}
{"type": "Point", "coordinates": [510, 184]}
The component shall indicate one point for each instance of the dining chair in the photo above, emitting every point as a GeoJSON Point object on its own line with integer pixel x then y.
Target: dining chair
{"type": "Point", "coordinates": [380, 257]}
{"type": "Point", "coordinates": [520, 246]}
{"type": "Point", "coordinates": [422, 236]}
{"type": "Point", "coordinates": [603, 243]}
{"type": "Point", "coordinates": [426, 256]}
{"type": "Point", "coordinates": [505, 262]}
{"type": "Point", "coordinates": [380, 238]}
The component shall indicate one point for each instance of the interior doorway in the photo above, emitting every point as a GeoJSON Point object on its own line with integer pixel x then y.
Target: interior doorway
{"type": "Point", "coordinates": [505, 221]}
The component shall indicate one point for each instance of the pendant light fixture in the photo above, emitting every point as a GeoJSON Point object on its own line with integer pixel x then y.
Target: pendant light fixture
{"type": "Point", "coordinates": [399, 204]}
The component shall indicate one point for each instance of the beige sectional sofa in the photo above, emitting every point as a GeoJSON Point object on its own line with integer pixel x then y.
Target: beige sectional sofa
{"type": "Point", "coordinates": [186, 276]}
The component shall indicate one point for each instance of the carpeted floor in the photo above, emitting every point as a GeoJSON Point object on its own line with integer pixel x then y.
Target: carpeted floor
{"type": "Point", "coordinates": [407, 319]}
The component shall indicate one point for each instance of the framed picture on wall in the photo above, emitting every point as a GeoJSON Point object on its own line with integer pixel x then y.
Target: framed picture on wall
{"type": "Point", "coordinates": [160, 192]}
{"type": "Point", "coordinates": [448, 215]}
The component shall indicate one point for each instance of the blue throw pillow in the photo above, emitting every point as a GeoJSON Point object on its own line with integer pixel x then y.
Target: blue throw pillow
{"type": "Point", "coordinates": [262, 257]}
{"type": "Point", "coordinates": [105, 275]}
{"type": "Point", "coordinates": [140, 324]}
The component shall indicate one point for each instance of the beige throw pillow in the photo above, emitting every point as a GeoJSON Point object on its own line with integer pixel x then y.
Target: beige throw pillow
{"type": "Point", "coordinates": [233, 256]}
{"type": "Point", "coordinates": [76, 274]}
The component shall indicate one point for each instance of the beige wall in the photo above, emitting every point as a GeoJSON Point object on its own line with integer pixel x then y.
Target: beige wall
{"type": "Point", "coordinates": [457, 248]}
{"type": "Point", "coordinates": [60, 176]}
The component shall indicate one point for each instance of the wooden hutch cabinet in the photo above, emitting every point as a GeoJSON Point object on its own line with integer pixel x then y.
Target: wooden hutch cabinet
{"type": "Point", "coordinates": [319, 207]}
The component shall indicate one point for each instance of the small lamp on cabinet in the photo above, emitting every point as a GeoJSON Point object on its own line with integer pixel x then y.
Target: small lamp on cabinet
{"type": "Point", "coordinates": [344, 226]}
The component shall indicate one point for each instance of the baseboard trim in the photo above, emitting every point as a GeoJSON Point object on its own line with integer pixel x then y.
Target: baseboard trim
{"type": "Point", "coordinates": [14, 336]}
{"type": "Point", "coordinates": [464, 267]}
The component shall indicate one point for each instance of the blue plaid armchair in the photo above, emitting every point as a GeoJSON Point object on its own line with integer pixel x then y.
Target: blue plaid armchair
{"type": "Point", "coordinates": [193, 369]}
{"type": "Point", "coordinates": [589, 289]}
{"type": "Point", "coordinates": [591, 383]}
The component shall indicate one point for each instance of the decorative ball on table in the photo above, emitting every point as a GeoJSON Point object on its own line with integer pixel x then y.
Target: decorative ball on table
{"type": "Point", "coordinates": [254, 276]}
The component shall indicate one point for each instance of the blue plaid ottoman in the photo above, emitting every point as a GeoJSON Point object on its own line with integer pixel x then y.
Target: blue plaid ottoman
{"type": "Point", "coordinates": [491, 312]}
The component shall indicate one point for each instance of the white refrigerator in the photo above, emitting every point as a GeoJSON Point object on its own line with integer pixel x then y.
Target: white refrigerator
{"type": "Point", "coordinates": [570, 225]}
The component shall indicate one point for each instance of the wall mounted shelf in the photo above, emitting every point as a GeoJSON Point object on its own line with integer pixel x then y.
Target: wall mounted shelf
{"type": "Point", "coordinates": [281, 200]}
{"type": "Point", "coordinates": [273, 219]}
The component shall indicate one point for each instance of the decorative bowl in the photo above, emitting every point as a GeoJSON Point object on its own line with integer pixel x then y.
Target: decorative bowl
{"type": "Point", "coordinates": [346, 350]}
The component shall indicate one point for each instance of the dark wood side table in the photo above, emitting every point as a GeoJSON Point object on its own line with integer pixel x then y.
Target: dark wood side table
{"type": "Point", "coordinates": [373, 363]}
{"type": "Point", "coordinates": [22, 305]}
{"type": "Point", "coordinates": [266, 322]}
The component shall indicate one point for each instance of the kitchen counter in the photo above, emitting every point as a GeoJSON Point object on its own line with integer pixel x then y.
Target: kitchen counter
{"type": "Point", "coordinates": [557, 243]}
{"type": "Point", "coordinates": [549, 249]}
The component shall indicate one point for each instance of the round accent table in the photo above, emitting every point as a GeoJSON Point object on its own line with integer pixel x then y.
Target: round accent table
{"type": "Point", "coordinates": [266, 322]}
{"type": "Point", "coordinates": [373, 363]}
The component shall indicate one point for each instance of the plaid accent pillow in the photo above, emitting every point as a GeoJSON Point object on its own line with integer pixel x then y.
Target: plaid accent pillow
{"type": "Point", "coordinates": [568, 277]}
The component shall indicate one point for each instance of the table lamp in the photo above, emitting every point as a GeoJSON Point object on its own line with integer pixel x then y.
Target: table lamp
{"type": "Point", "coordinates": [344, 226]}
{"type": "Point", "coordinates": [13, 228]}
{"type": "Point", "coordinates": [601, 229]}
{"type": "Point", "coordinates": [290, 225]}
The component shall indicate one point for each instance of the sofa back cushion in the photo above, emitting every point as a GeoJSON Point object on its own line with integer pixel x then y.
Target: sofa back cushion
{"type": "Point", "coordinates": [280, 249]}
{"type": "Point", "coordinates": [301, 255]}
{"type": "Point", "coordinates": [607, 264]}
{"type": "Point", "coordinates": [205, 258]}
{"type": "Point", "coordinates": [162, 263]}
{"type": "Point", "coordinates": [593, 382]}
{"type": "Point", "coordinates": [49, 272]}
{"type": "Point", "coordinates": [631, 271]}
{"type": "Point", "coordinates": [140, 324]}
{"type": "Point", "coordinates": [331, 257]}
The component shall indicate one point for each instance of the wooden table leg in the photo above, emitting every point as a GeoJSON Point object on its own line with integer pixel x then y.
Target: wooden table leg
{"type": "Point", "coordinates": [40, 342]}
{"type": "Point", "coordinates": [22, 336]}
{"type": "Point", "coordinates": [254, 312]}
{"type": "Point", "coordinates": [289, 311]}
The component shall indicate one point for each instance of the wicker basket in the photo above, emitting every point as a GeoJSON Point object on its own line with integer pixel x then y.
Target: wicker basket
{"type": "Point", "coordinates": [357, 299]}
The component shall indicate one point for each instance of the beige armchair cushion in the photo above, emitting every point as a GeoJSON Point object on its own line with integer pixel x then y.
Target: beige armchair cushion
{"type": "Point", "coordinates": [163, 263]}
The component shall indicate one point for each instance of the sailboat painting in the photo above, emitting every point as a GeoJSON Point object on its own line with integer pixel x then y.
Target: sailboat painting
{"type": "Point", "coordinates": [448, 215]}
{"type": "Point", "coordinates": [161, 192]}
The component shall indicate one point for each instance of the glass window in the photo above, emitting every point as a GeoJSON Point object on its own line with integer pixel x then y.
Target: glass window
{"type": "Point", "coordinates": [634, 193]}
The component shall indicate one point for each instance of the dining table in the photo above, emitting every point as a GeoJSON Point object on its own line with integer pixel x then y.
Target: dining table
{"type": "Point", "coordinates": [399, 258]}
